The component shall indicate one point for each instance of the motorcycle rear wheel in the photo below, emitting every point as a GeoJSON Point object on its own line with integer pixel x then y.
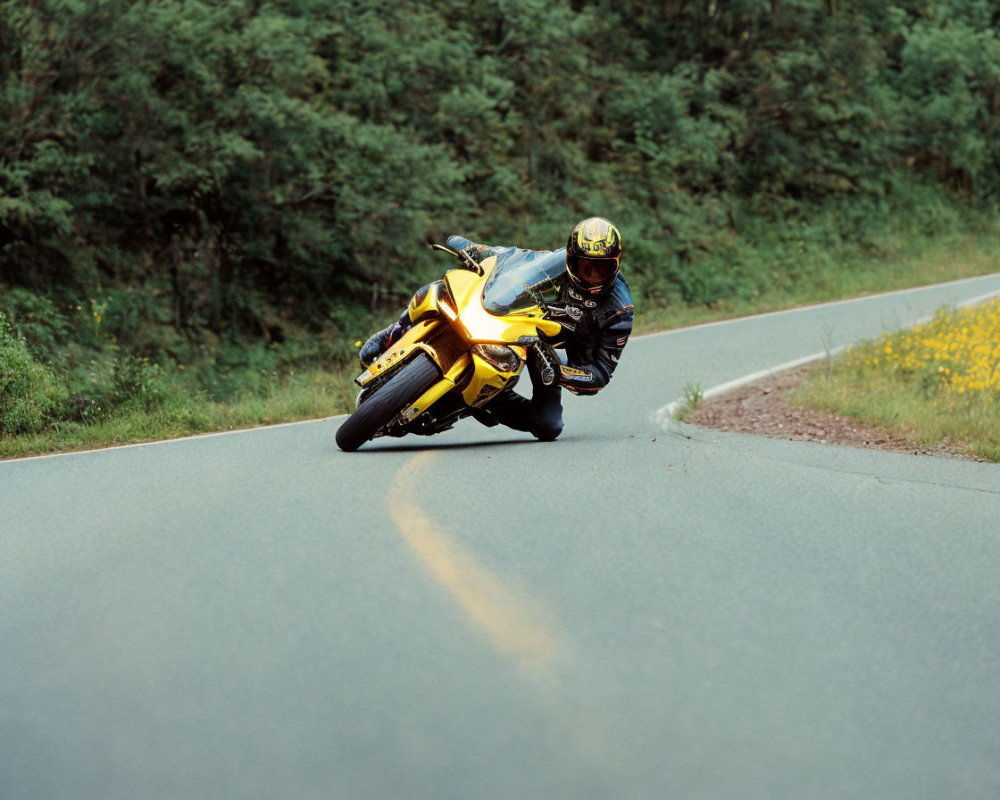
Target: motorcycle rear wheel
{"type": "Point", "coordinates": [386, 402]}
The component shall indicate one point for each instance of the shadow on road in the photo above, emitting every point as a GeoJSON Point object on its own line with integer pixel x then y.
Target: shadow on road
{"type": "Point", "coordinates": [418, 446]}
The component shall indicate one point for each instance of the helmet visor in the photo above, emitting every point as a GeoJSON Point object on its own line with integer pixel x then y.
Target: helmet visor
{"type": "Point", "coordinates": [593, 271]}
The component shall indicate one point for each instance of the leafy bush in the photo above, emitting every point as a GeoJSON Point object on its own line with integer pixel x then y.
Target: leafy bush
{"type": "Point", "coordinates": [138, 384]}
{"type": "Point", "coordinates": [36, 319]}
{"type": "Point", "coordinates": [31, 397]}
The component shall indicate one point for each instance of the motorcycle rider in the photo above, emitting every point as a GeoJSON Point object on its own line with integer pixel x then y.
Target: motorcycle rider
{"type": "Point", "coordinates": [594, 309]}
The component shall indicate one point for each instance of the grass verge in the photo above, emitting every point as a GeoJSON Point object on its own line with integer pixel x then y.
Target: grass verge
{"type": "Point", "coordinates": [314, 394]}
{"type": "Point", "coordinates": [939, 383]}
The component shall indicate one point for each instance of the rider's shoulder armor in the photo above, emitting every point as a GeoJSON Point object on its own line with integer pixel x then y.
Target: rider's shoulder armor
{"type": "Point", "coordinates": [618, 301]}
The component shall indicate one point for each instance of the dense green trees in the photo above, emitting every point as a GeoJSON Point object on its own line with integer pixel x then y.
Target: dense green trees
{"type": "Point", "coordinates": [180, 173]}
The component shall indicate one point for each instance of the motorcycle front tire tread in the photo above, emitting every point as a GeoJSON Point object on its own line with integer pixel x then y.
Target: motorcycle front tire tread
{"type": "Point", "coordinates": [386, 402]}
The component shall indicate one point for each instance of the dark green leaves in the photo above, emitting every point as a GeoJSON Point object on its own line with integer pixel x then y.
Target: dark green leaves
{"type": "Point", "coordinates": [252, 167]}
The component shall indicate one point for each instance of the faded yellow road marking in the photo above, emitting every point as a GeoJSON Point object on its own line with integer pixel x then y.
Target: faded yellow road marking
{"type": "Point", "coordinates": [509, 627]}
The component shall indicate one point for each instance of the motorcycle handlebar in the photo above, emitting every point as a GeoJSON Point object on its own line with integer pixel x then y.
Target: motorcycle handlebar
{"type": "Point", "coordinates": [461, 255]}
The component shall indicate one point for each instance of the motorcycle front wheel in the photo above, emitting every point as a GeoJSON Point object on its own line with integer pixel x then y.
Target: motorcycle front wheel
{"type": "Point", "coordinates": [386, 402]}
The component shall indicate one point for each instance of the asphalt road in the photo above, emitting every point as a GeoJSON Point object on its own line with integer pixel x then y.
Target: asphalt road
{"type": "Point", "coordinates": [633, 611]}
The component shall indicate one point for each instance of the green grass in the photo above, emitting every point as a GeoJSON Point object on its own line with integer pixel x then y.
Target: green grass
{"type": "Point", "coordinates": [901, 404]}
{"type": "Point", "coordinates": [317, 393]}
{"type": "Point", "coordinates": [313, 394]}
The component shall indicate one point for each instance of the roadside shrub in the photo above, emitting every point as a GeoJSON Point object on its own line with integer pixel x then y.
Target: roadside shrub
{"type": "Point", "coordinates": [138, 384]}
{"type": "Point", "coordinates": [30, 394]}
{"type": "Point", "coordinates": [38, 320]}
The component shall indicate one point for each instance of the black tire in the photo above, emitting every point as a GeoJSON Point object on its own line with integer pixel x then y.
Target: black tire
{"type": "Point", "coordinates": [386, 402]}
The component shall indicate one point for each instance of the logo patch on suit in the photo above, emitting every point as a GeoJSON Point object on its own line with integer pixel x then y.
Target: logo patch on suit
{"type": "Point", "coordinates": [569, 311]}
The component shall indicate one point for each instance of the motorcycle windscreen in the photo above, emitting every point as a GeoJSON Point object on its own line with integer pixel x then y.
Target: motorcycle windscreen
{"type": "Point", "coordinates": [524, 279]}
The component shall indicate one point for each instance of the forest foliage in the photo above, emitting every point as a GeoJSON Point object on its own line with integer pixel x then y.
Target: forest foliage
{"type": "Point", "coordinates": [181, 178]}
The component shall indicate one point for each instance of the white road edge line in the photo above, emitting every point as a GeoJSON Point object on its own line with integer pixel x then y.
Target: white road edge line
{"type": "Point", "coordinates": [16, 459]}
{"type": "Point", "coordinates": [665, 415]}
{"type": "Point", "coordinates": [659, 414]}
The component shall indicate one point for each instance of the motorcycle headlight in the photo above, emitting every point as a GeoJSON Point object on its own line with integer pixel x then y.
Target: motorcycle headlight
{"type": "Point", "coordinates": [499, 355]}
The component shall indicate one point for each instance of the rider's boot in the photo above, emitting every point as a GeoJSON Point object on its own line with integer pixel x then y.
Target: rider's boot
{"type": "Point", "coordinates": [379, 343]}
{"type": "Point", "coordinates": [375, 346]}
{"type": "Point", "coordinates": [485, 417]}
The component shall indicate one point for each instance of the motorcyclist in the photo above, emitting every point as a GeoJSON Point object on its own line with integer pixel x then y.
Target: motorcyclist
{"type": "Point", "coordinates": [594, 309]}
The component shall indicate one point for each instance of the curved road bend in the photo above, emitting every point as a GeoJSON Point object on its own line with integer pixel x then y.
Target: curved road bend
{"type": "Point", "coordinates": [630, 612]}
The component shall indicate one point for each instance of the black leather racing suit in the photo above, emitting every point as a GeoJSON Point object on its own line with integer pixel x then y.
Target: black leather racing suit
{"type": "Point", "coordinates": [595, 331]}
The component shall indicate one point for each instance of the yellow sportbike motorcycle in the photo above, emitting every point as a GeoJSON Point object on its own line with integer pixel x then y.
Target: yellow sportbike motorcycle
{"type": "Point", "coordinates": [468, 343]}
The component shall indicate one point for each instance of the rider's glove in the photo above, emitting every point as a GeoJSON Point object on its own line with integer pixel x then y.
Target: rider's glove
{"type": "Point", "coordinates": [473, 252]}
{"type": "Point", "coordinates": [567, 315]}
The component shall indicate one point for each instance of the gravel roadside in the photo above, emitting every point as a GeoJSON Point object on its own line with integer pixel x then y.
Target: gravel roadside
{"type": "Point", "coordinates": [763, 408]}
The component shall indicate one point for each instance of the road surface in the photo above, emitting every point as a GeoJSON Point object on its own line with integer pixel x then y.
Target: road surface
{"type": "Point", "coordinates": [638, 610]}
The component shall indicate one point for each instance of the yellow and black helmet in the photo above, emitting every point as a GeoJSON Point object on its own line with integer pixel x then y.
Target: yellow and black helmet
{"type": "Point", "coordinates": [593, 253]}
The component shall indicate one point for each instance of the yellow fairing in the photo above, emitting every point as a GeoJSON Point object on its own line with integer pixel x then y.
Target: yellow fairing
{"type": "Point", "coordinates": [427, 304]}
{"type": "Point", "coordinates": [481, 326]}
{"type": "Point", "coordinates": [487, 381]}
{"type": "Point", "coordinates": [410, 341]}
{"type": "Point", "coordinates": [447, 334]}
